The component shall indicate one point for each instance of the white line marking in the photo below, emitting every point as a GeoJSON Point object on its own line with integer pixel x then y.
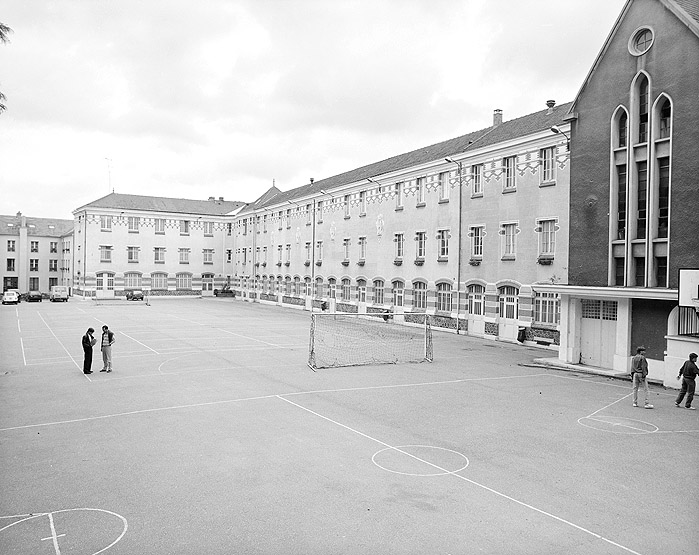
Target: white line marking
{"type": "Point", "coordinates": [53, 535]}
{"type": "Point", "coordinates": [64, 348]}
{"type": "Point", "coordinates": [491, 490]}
{"type": "Point", "coordinates": [610, 404]}
{"type": "Point", "coordinates": [24, 358]}
{"type": "Point", "coordinates": [247, 337]}
{"type": "Point", "coordinates": [137, 341]}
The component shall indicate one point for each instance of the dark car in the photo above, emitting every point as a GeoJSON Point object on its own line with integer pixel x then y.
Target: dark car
{"type": "Point", "coordinates": [134, 295]}
{"type": "Point", "coordinates": [34, 296]}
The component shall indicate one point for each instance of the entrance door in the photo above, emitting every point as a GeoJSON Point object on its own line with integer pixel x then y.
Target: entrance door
{"type": "Point", "coordinates": [105, 285]}
{"type": "Point", "coordinates": [598, 333]}
{"type": "Point", "coordinates": [508, 298]}
{"type": "Point", "coordinates": [207, 285]}
{"type": "Point", "coordinates": [476, 310]}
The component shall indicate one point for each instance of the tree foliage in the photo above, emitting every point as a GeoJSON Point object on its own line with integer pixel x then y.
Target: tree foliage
{"type": "Point", "coordinates": [4, 32]}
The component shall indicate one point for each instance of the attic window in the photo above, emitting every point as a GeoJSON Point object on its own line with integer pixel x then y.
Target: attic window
{"type": "Point", "coordinates": [641, 41]}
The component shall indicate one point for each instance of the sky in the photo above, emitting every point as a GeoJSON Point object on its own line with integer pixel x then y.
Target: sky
{"type": "Point", "coordinates": [192, 99]}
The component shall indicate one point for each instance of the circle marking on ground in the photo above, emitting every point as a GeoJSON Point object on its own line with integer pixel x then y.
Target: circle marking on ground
{"type": "Point", "coordinates": [407, 459]}
{"type": "Point", "coordinates": [618, 425]}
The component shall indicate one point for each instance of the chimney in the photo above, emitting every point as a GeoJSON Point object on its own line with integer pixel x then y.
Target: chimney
{"type": "Point", "coordinates": [212, 198]}
{"type": "Point", "coordinates": [550, 104]}
{"type": "Point", "coordinates": [220, 199]}
{"type": "Point", "coordinates": [497, 117]}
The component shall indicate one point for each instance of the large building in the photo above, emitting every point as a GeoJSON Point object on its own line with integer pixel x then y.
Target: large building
{"type": "Point", "coordinates": [459, 230]}
{"type": "Point", "coordinates": [163, 245]}
{"type": "Point", "coordinates": [36, 253]}
{"type": "Point", "coordinates": [635, 193]}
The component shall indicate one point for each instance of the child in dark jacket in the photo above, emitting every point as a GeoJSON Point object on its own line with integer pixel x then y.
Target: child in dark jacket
{"type": "Point", "coordinates": [688, 373]}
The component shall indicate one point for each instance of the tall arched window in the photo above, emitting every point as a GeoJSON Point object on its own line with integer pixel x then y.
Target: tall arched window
{"type": "Point", "coordinates": [361, 290]}
{"type": "Point", "coordinates": [378, 291]}
{"type": "Point", "coordinates": [346, 289]}
{"type": "Point", "coordinates": [508, 301]}
{"type": "Point", "coordinates": [419, 295]}
{"type": "Point", "coordinates": [643, 109]}
{"type": "Point", "coordinates": [665, 119]}
{"type": "Point", "coordinates": [444, 297]}
{"type": "Point", "coordinates": [622, 130]}
{"type": "Point", "coordinates": [475, 299]}
{"type": "Point", "coordinates": [398, 290]}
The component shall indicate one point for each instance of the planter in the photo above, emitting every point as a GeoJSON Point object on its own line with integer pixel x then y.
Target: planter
{"type": "Point", "coordinates": [419, 261]}
{"type": "Point", "coordinates": [475, 261]}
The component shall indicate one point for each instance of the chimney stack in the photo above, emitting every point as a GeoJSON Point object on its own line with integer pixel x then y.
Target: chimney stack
{"type": "Point", "coordinates": [497, 117]}
{"type": "Point", "coordinates": [212, 198]}
{"type": "Point", "coordinates": [220, 199]}
{"type": "Point", "coordinates": [550, 104]}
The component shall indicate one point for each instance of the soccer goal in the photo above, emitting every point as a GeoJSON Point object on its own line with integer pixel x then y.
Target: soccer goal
{"type": "Point", "coordinates": [343, 339]}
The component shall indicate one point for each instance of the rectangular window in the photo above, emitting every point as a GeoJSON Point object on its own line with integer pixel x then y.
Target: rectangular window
{"type": "Point", "coordinates": [10, 264]}
{"type": "Point", "coordinates": [208, 256]}
{"type": "Point", "coordinates": [640, 273]}
{"type": "Point", "coordinates": [347, 206]}
{"type": "Point", "coordinates": [643, 113]}
{"type": "Point", "coordinates": [184, 256]}
{"type": "Point", "coordinates": [245, 226]}
{"type": "Point", "coordinates": [420, 244]}
{"type": "Point", "coordinates": [319, 212]}
{"type": "Point", "coordinates": [53, 247]}
{"type": "Point", "coordinates": [548, 167]}
{"type": "Point", "coordinates": [508, 172]}
{"type": "Point", "coordinates": [477, 234]}
{"type": "Point", "coordinates": [308, 251]}
{"type": "Point", "coordinates": [346, 247]}
{"type": "Point", "coordinates": [159, 225]}
{"type": "Point", "coordinates": [33, 264]}
{"type": "Point", "coordinates": [279, 255]}
{"type": "Point", "coordinates": [184, 281]}
{"type": "Point", "coordinates": [319, 250]}
{"type": "Point", "coordinates": [547, 245]}
{"type": "Point", "coordinates": [159, 255]}
{"type": "Point", "coordinates": [34, 284]}
{"type": "Point", "coordinates": [288, 254]}
{"type": "Point", "coordinates": [264, 223]}
{"type": "Point", "coordinates": [661, 271]}
{"type": "Point", "coordinates": [663, 196]}
{"type": "Point", "coordinates": [399, 196]}
{"type": "Point", "coordinates": [208, 229]}
{"type": "Point", "coordinates": [184, 227]}
{"type": "Point", "coordinates": [642, 169]}
{"type": "Point", "coordinates": [105, 223]}
{"type": "Point", "coordinates": [52, 282]}
{"type": "Point", "coordinates": [105, 253]}
{"type": "Point", "coordinates": [132, 254]}
{"type": "Point", "coordinates": [229, 256]}
{"type": "Point", "coordinates": [619, 271]}
{"type": "Point", "coordinates": [443, 243]}
{"type": "Point", "coordinates": [477, 179]}
{"type": "Point", "coordinates": [133, 223]}
{"type": "Point", "coordinates": [11, 246]}
{"type": "Point", "coordinates": [621, 201]}
{"type": "Point", "coordinates": [508, 245]}
{"type": "Point", "coordinates": [444, 186]}
{"type": "Point", "coordinates": [362, 203]}
{"type": "Point", "coordinates": [34, 246]}
{"type": "Point", "coordinates": [399, 240]}
{"type": "Point", "coordinates": [362, 248]}
{"type": "Point", "coordinates": [421, 191]}
{"type": "Point", "coordinates": [547, 308]}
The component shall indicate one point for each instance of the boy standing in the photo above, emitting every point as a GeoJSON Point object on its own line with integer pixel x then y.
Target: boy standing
{"type": "Point", "coordinates": [639, 371]}
{"type": "Point", "coordinates": [107, 342]}
{"type": "Point", "coordinates": [688, 373]}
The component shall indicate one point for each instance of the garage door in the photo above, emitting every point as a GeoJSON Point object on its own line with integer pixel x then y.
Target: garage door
{"type": "Point", "coordinates": [598, 333]}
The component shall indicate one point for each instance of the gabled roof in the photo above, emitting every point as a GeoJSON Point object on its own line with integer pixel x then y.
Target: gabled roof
{"type": "Point", "coordinates": [687, 11]}
{"type": "Point", "coordinates": [118, 201]}
{"type": "Point", "coordinates": [508, 130]}
{"type": "Point", "coordinates": [36, 227]}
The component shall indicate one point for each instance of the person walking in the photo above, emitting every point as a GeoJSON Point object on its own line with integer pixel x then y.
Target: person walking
{"type": "Point", "coordinates": [688, 373]}
{"type": "Point", "coordinates": [88, 342]}
{"type": "Point", "coordinates": [107, 342]}
{"type": "Point", "coordinates": [639, 373]}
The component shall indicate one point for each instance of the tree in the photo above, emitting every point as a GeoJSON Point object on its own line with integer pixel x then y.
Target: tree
{"type": "Point", "coordinates": [4, 32]}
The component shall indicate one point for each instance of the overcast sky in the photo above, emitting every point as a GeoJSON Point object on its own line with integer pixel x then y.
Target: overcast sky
{"type": "Point", "coordinates": [192, 99]}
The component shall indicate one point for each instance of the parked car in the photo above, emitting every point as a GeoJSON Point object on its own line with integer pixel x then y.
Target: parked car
{"type": "Point", "coordinates": [134, 295]}
{"type": "Point", "coordinates": [10, 297]}
{"type": "Point", "coordinates": [34, 296]}
{"type": "Point", "coordinates": [58, 293]}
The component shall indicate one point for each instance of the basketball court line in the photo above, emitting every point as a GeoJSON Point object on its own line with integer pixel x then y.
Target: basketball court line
{"type": "Point", "coordinates": [64, 347]}
{"type": "Point", "coordinates": [473, 482]}
{"type": "Point", "coordinates": [137, 341]}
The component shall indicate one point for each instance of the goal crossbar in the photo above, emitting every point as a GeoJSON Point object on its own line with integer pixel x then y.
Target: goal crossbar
{"type": "Point", "coordinates": [347, 339]}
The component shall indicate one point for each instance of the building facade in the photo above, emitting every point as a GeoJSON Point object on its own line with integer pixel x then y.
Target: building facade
{"type": "Point", "coordinates": [459, 230]}
{"type": "Point", "coordinates": [35, 252]}
{"type": "Point", "coordinates": [635, 194]}
{"type": "Point", "coordinates": [160, 245]}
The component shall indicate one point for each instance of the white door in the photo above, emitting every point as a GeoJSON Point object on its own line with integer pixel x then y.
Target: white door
{"type": "Point", "coordinates": [598, 333]}
{"type": "Point", "coordinates": [476, 310]}
{"type": "Point", "coordinates": [207, 286]}
{"type": "Point", "coordinates": [508, 299]}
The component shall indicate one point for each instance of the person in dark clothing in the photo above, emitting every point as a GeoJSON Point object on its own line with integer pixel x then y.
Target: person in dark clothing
{"type": "Point", "coordinates": [688, 373]}
{"type": "Point", "coordinates": [88, 342]}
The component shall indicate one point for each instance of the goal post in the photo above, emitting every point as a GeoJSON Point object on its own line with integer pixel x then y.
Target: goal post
{"type": "Point", "coordinates": [347, 339]}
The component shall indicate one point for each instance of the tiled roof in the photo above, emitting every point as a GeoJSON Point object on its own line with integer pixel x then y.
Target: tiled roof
{"type": "Point", "coordinates": [36, 227]}
{"type": "Point", "coordinates": [689, 6]}
{"type": "Point", "coordinates": [519, 127]}
{"type": "Point", "coordinates": [118, 201]}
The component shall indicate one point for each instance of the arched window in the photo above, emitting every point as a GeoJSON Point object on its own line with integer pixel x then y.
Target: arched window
{"type": "Point", "coordinates": [346, 289]}
{"type": "Point", "coordinates": [307, 287]}
{"type": "Point", "coordinates": [419, 295]}
{"type": "Point", "coordinates": [132, 280]}
{"type": "Point", "coordinates": [643, 109]}
{"type": "Point", "coordinates": [378, 291]}
{"type": "Point", "coordinates": [184, 281]}
{"type": "Point", "coordinates": [622, 130]}
{"type": "Point", "coordinates": [332, 286]}
{"type": "Point", "coordinates": [444, 297]}
{"type": "Point", "coordinates": [105, 281]}
{"type": "Point", "coordinates": [475, 299]}
{"type": "Point", "coordinates": [297, 286]}
{"type": "Point", "coordinates": [319, 287]}
{"type": "Point", "coordinates": [508, 297]}
{"type": "Point", "coordinates": [158, 280]}
{"type": "Point", "coordinates": [665, 119]}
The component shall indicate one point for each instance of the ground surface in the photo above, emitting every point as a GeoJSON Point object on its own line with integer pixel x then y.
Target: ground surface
{"type": "Point", "coordinates": [213, 436]}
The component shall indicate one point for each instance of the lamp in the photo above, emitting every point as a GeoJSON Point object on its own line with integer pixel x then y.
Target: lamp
{"type": "Point", "coordinates": [555, 129]}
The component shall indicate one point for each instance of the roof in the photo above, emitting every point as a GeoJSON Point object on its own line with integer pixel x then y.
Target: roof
{"type": "Point", "coordinates": [118, 201]}
{"type": "Point", "coordinates": [508, 130]}
{"type": "Point", "coordinates": [36, 227]}
{"type": "Point", "coordinates": [687, 11]}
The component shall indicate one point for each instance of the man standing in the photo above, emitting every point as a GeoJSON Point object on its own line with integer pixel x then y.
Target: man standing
{"type": "Point", "coordinates": [88, 342]}
{"type": "Point", "coordinates": [688, 372]}
{"type": "Point", "coordinates": [639, 371]}
{"type": "Point", "coordinates": [107, 342]}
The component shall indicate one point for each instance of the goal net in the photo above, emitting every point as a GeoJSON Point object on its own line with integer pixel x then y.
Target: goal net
{"type": "Point", "coordinates": [342, 339]}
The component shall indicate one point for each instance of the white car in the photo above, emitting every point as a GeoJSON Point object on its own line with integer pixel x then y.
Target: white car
{"type": "Point", "coordinates": [10, 297]}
